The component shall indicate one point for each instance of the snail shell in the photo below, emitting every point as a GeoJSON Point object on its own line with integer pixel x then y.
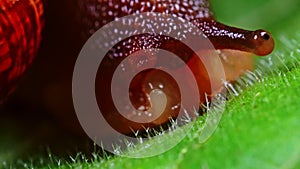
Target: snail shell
{"type": "Point", "coordinates": [21, 25]}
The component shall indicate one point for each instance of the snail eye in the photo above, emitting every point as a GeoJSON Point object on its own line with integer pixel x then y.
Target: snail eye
{"type": "Point", "coordinates": [261, 35]}
{"type": "Point", "coordinates": [263, 43]}
{"type": "Point", "coordinates": [265, 35]}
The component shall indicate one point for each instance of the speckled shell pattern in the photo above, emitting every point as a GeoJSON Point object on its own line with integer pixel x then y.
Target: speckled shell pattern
{"type": "Point", "coordinates": [21, 25]}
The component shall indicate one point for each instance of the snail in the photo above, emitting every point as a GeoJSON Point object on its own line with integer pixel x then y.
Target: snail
{"type": "Point", "coordinates": [19, 41]}
{"type": "Point", "coordinates": [21, 23]}
{"type": "Point", "coordinates": [235, 46]}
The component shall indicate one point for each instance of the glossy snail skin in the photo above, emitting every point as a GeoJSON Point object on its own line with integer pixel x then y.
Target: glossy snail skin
{"type": "Point", "coordinates": [235, 46]}
{"type": "Point", "coordinates": [98, 13]}
{"type": "Point", "coordinates": [20, 35]}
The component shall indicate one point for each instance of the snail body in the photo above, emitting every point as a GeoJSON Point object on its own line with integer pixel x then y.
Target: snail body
{"type": "Point", "coordinates": [21, 25]}
{"type": "Point", "coordinates": [236, 46]}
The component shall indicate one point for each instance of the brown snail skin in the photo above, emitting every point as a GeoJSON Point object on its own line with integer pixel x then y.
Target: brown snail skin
{"type": "Point", "coordinates": [69, 26]}
{"type": "Point", "coordinates": [21, 23]}
{"type": "Point", "coordinates": [235, 45]}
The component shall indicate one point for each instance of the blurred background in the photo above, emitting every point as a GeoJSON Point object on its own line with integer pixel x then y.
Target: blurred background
{"type": "Point", "coordinates": [39, 115]}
